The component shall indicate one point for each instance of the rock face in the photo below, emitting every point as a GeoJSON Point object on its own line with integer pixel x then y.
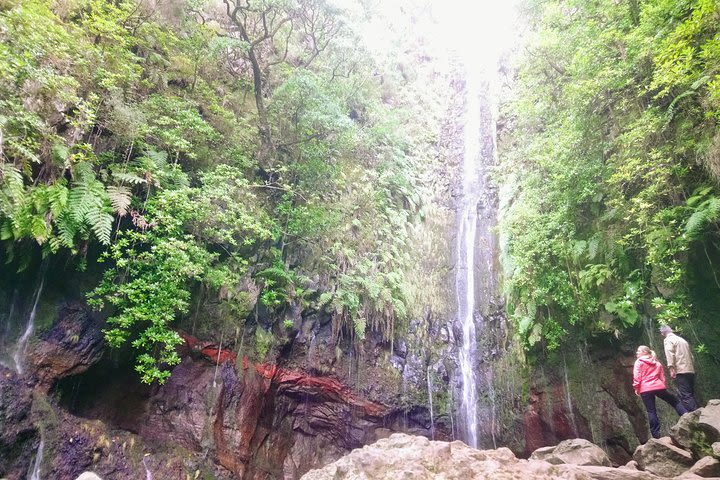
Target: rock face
{"type": "Point", "coordinates": [251, 415]}
{"type": "Point", "coordinates": [407, 457]}
{"type": "Point", "coordinates": [19, 436]}
{"type": "Point", "coordinates": [227, 417]}
{"type": "Point", "coordinates": [241, 421]}
{"type": "Point", "coordinates": [70, 347]}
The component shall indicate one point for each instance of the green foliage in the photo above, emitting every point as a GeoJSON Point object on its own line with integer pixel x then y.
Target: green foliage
{"type": "Point", "coordinates": [154, 267]}
{"type": "Point", "coordinates": [614, 106]}
{"type": "Point", "coordinates": [278, 283]}
{"type": "Point", "coordinates": [148, 288]}
{"type": "Point", "coordinates": [263, 343]}
{"type": "Point", "coordinates": [705, 207]}
{"type": "Point", "coordinates": [132, 126]}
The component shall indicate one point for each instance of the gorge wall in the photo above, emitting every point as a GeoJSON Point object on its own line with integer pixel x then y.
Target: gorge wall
{"type": "Point", "coordinates": [284, 395]}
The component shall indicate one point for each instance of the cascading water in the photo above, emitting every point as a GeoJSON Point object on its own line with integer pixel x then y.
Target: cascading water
{"type": "Point", "coordinates": [430, 404]}
{"type": "Point", "coordinates": [18, 355]}
{"type": "Point", "coordinates": [7, 322]}
{"type": "Point", "coordinates": [465, 276]}
{"type": "Point", "coordinates": [476, 245]}
{"type": "Point", "coordinates": [34, 474]}
{"type": "Point", "coordinates": [568, 399]}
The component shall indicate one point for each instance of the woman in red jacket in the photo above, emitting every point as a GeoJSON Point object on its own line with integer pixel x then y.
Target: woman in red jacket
{"type": "Point", "coordinates": [649, 382]}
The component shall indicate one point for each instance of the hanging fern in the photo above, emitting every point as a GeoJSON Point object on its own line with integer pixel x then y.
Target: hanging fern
{"type": "Point", "coordinates": [130, 178]}
{"type": "Point", "coordinates": [706, 213]}
{"type": "Point", "coordinates": [120, 197]}
{"type": "Point", "coordinates": [88, 206]}
{"type": "Point", "coordinates": [12, 188]}
{"type": "Point", "coordinates": [691, 91]}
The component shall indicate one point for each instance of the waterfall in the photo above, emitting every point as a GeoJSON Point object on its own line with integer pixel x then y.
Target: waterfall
{"type": "Point", "coordinates": [18, 356]}
{"type": "Point", "coordinates": [430, 404]}
{"type": "Point", "coordinates": [34, 474]}
{"type": "Point", "coordinates": [476, 244]}
{"type": "Point", "coordinates": [465, 276]}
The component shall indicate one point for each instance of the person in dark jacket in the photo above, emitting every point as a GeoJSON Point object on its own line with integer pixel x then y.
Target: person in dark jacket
{"type": "Point", "coordinates": [649, 382]}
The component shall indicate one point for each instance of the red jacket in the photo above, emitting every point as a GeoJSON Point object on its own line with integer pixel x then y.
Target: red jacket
{"type": "Point", "coordinates": [648, 375]}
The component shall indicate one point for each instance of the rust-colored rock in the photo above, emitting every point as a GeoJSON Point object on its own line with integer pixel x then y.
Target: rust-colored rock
{"type": "Point", "coordinates": [238, 411]}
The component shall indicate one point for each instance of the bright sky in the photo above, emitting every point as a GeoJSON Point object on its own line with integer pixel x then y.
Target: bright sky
{"type": "Point", "coordinates": [477, 31]}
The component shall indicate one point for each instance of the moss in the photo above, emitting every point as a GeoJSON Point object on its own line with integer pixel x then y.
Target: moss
{"type": "Point", "coordinates": [264, 341]}
{"type": "Point", "coordinates": [701, 443]}
{"type": "Point", "coordinates": [48, 424]}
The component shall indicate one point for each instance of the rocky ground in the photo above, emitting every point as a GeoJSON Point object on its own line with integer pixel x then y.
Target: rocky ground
{"type": "Point", "coordinates": [692, 451]}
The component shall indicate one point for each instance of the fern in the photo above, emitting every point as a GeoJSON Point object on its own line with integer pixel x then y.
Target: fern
{"type": "Point", "coordinates": [593, 247]}
{"type": "Point", "coordinates": [706, 213]}
{"type": "Point", "coordinates": [89, 205]}
{"type": "Point", "coordinates": [39, 228]}
{"type": "Point", "coordinates": [58, 199]}
{"type": "Point", "coordinates": [12, 188]}
{"type": "Point", "coordinates": [120, 197]}
{"type": "Point", "coordinates": [101, 224]}
{"type": "Point", "coordinates": [6, 230]}
{"type": "Point", "coordinates": [20, 150]}
{"type": "Point", "coordinates": [692, 91]}
{"type": "Point", "coordinates": [67, 229]}
{"type": "Point", "coordinates": [130, 178]}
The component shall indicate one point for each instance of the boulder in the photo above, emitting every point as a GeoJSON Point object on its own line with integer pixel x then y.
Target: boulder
{"type": "Point", "coordinates": [661, 457]}
{"type": "Point", "coordinates": [706, 467]}
{"type": "Point", "coordinates": [73, 344]}
{"type": "Point", "coordinates": [697, 431]}
{"type": "Point", "coordinates": [609, 473]}
{"type": "Point", "coordinates": [715, 447]}
{"type": "Point", "coordinates": [577, 451]}
{"type": "Point", "coordinates": [408, 457]}
{"type": "Point", "coordinates": [710, 417]}
{"type": "Point", "coordinates": [631, 465]}
{"type": "Point", "coordinates": [681, 432]}
{"type": "Point", "coordinates": [88, 476]}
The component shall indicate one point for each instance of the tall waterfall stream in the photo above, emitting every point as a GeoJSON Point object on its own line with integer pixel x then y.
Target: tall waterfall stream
{"type": "Point", "coordinates": [475, 272]}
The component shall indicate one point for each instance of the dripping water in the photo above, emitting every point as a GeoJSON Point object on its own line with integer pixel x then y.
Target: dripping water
{"type": "Point", "coordinates": [450, 414]}
{"type": "Point", "coordinates": [11, 314]}
{"type": "Point", "coordinates": [18, 356]}
{"type": "Point", "coordinates": [148, 473]}
{"type": "Point", "coordinates": [34, 474]}
{"type": "Point", "coordinates": [430, 403]}
{"type": "Point", "coordinates": [5, 334]}
{"type": "Point", "coordinates": [493, 406]}
{"type": "Point", "coordinates": [571, 412]}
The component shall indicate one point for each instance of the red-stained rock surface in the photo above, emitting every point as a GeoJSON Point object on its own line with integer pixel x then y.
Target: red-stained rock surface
{"type": "Point", "coordinates": [288, 381]}
{"type": "Point", "coordinates": [549, 418]}
{"type": "Point", "coordinates": [249, 403]}
{"type": "Point", "coordinates": [237, 419]}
